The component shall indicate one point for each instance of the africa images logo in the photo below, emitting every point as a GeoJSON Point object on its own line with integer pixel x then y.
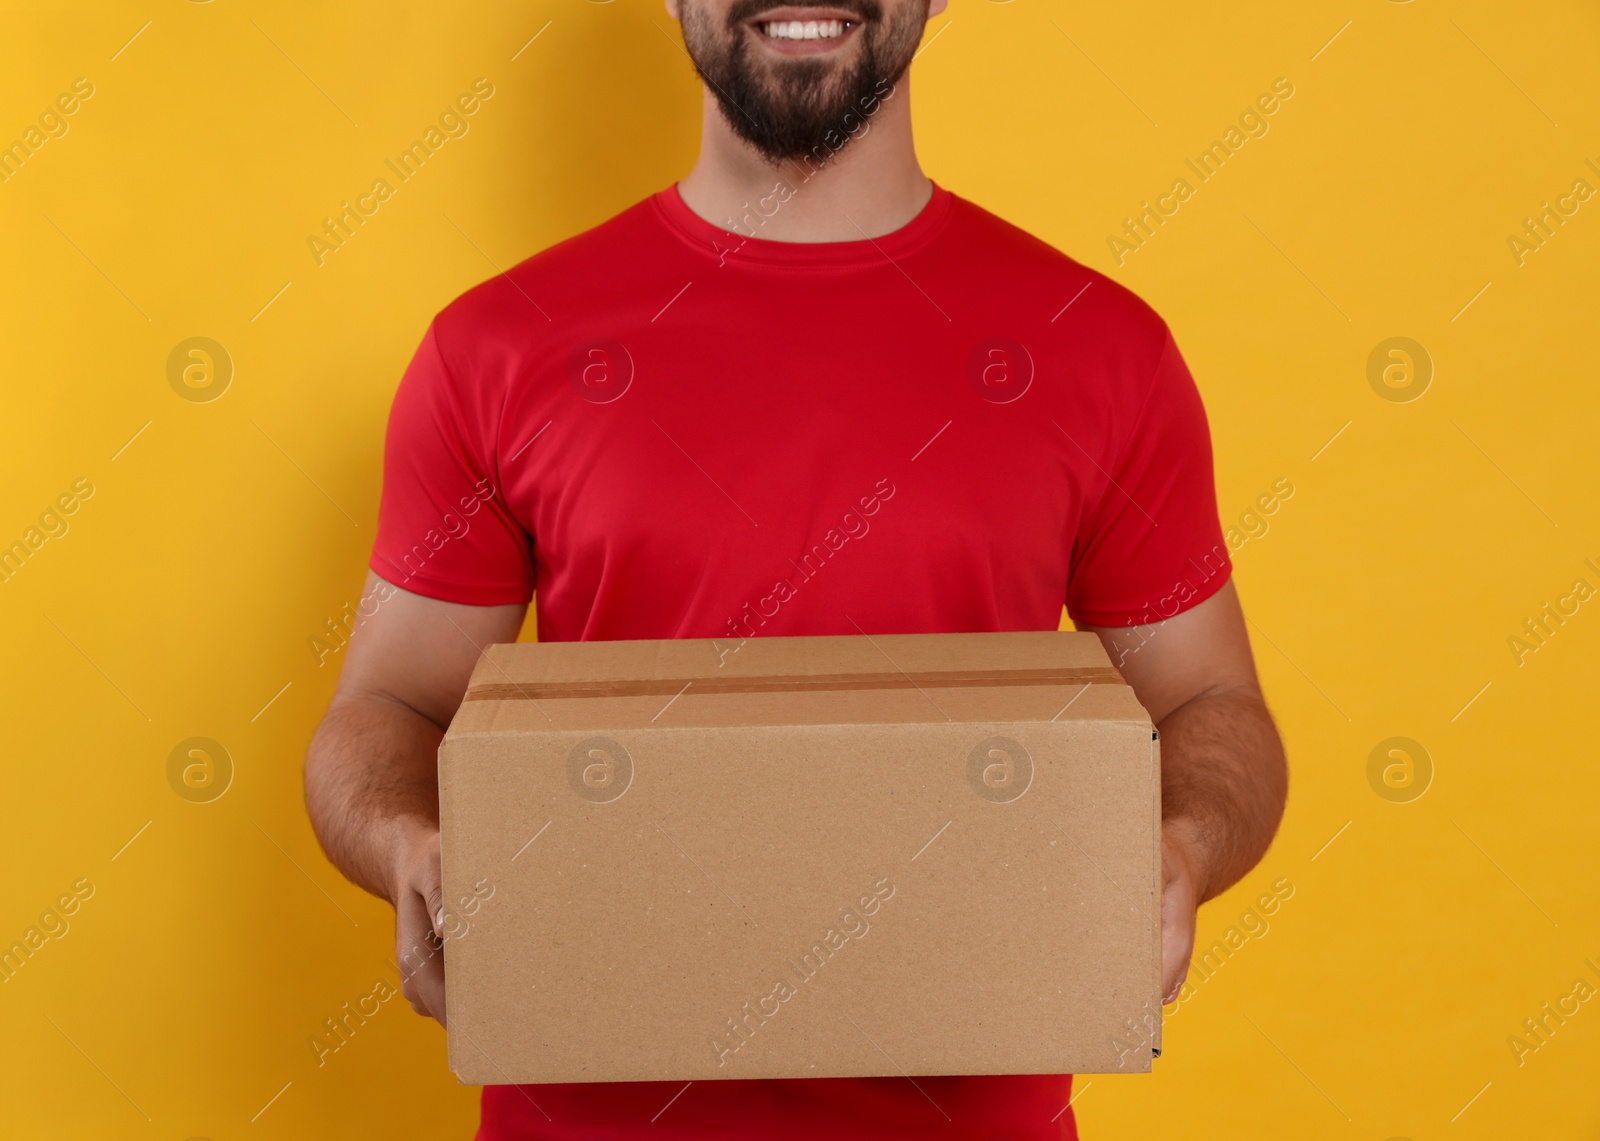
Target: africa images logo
{"type": "Point", "coordinates": [999, 769]}
{"type": "Point", "coordinates": [600, 370]}
{"type": "Point", "coordinates": [199, 770]}
{"type": "Point", "coordinates": [599, 769]}
{"type": "Point", "coordinates": [199, 370]}
{"type": "Point", "coordinates": [1399, 370]}
{"type": "Point", "coordinates": [1000, 370]}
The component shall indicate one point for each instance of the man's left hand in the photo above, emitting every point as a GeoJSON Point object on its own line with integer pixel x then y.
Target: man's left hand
{"type": "Point", "coordinates": [1180, 897]}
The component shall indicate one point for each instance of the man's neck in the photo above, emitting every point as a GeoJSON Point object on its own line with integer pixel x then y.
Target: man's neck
{"type": "Point", "coordinates": [870, 187]}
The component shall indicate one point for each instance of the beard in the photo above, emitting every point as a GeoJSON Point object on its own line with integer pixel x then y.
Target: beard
{"type": "Point", "coordinates": [786, 108]}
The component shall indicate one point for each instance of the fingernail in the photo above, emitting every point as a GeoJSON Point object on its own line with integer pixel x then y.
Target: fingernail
{"type": "Point", "coordinates": [438, 920]}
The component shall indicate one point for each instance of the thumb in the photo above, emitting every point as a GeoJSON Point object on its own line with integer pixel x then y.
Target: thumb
{"type": "Point", "coordinates": [435, 901]}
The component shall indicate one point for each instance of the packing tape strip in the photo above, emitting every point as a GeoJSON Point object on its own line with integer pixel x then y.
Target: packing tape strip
{"type": "Point", "coordinates": [793, 683]}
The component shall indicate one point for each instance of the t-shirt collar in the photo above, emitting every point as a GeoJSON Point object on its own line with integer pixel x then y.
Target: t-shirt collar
{"type": "Point", "coordinates": [729, 246]}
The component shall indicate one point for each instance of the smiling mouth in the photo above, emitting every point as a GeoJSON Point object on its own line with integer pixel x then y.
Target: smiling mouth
{"type": "Point", "coordinates": [804, 29]}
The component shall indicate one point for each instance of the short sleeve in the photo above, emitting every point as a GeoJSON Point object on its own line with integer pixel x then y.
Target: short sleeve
{"type": "Point", "coordinates": [444, 528]}
{"type": "Point", "coordinates": [1149, 545]}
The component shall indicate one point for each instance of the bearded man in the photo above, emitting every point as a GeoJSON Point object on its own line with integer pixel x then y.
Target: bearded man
{"type": "Point", "coordinates": [653, 421]}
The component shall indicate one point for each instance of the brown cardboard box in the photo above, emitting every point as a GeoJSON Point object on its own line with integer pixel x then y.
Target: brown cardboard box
{"type": "Point", "coordinates": [801, 857]}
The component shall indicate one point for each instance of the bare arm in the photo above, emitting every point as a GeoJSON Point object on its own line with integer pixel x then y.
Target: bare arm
{"type": "Point", "coordinates": [372, 786]}
{"type": "Point", "coordinates": [1223, 775]}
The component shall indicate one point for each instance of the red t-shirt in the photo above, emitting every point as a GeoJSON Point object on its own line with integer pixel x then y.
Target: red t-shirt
{"type": "Point", "coordinates": [678, 432]}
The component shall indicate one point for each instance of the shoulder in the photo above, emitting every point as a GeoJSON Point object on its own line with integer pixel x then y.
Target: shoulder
{"type": "Point", "coordinates": [1103, 315]}
{"type": "Point", "coordinates": [986, 237]}
{"type": "Point", "coordinates": [1105, 343]}
{"type": "Point", "coordinates": [505, 310]}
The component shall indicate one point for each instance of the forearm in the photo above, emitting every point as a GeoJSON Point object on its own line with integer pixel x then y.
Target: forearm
{"type": "Point", "coordinates": [371, 786]}
{"type": "Point", "coordinates": [1223, 782]}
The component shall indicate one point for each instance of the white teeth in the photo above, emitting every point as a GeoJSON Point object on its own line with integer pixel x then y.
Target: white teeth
{"type": "Point", "coordinates": [807, 30]}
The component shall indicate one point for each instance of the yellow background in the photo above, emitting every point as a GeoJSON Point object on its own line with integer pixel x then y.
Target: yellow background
{"type": "Point", "coordinates": [217, 543]}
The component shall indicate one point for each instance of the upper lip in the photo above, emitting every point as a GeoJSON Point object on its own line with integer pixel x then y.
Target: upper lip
{"type": "Point", "coordinates": [804, 15]}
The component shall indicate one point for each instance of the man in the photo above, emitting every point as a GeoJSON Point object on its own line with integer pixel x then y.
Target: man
{"type": "Point", "coordinates": [803, 391]}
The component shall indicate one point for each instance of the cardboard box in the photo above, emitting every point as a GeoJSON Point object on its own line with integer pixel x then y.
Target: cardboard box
{"type": "Point", "coordinates": [801, 857]}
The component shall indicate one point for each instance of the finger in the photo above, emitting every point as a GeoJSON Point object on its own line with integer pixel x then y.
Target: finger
{"type": "Point", "coordinates": [436, 911]}
{"type": "Point", "coordinates": [432, 890]}
{"type": "Point", "coordinates": [414, 946]}
{"type": "Point", "coordinates": [1174, 983]}
{"type": "Point", "coordinates": [425, 990]}
{"type": "Point", "coordinates": [428, 987]}
{"type": "Point", "coordinates": [1176, 945]}
{"type": "Point", "coordinates": [434, 988]}
{"type": "Point", "coordinates": [420, 956]}
{"type": "Point", "coordinates": [1177, 939]}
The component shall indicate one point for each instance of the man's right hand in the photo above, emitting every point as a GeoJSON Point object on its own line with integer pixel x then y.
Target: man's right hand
{"type": "Point", "coordinates": [372, 778]}
{"type": "Point", "coordinates": [419, 920]}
